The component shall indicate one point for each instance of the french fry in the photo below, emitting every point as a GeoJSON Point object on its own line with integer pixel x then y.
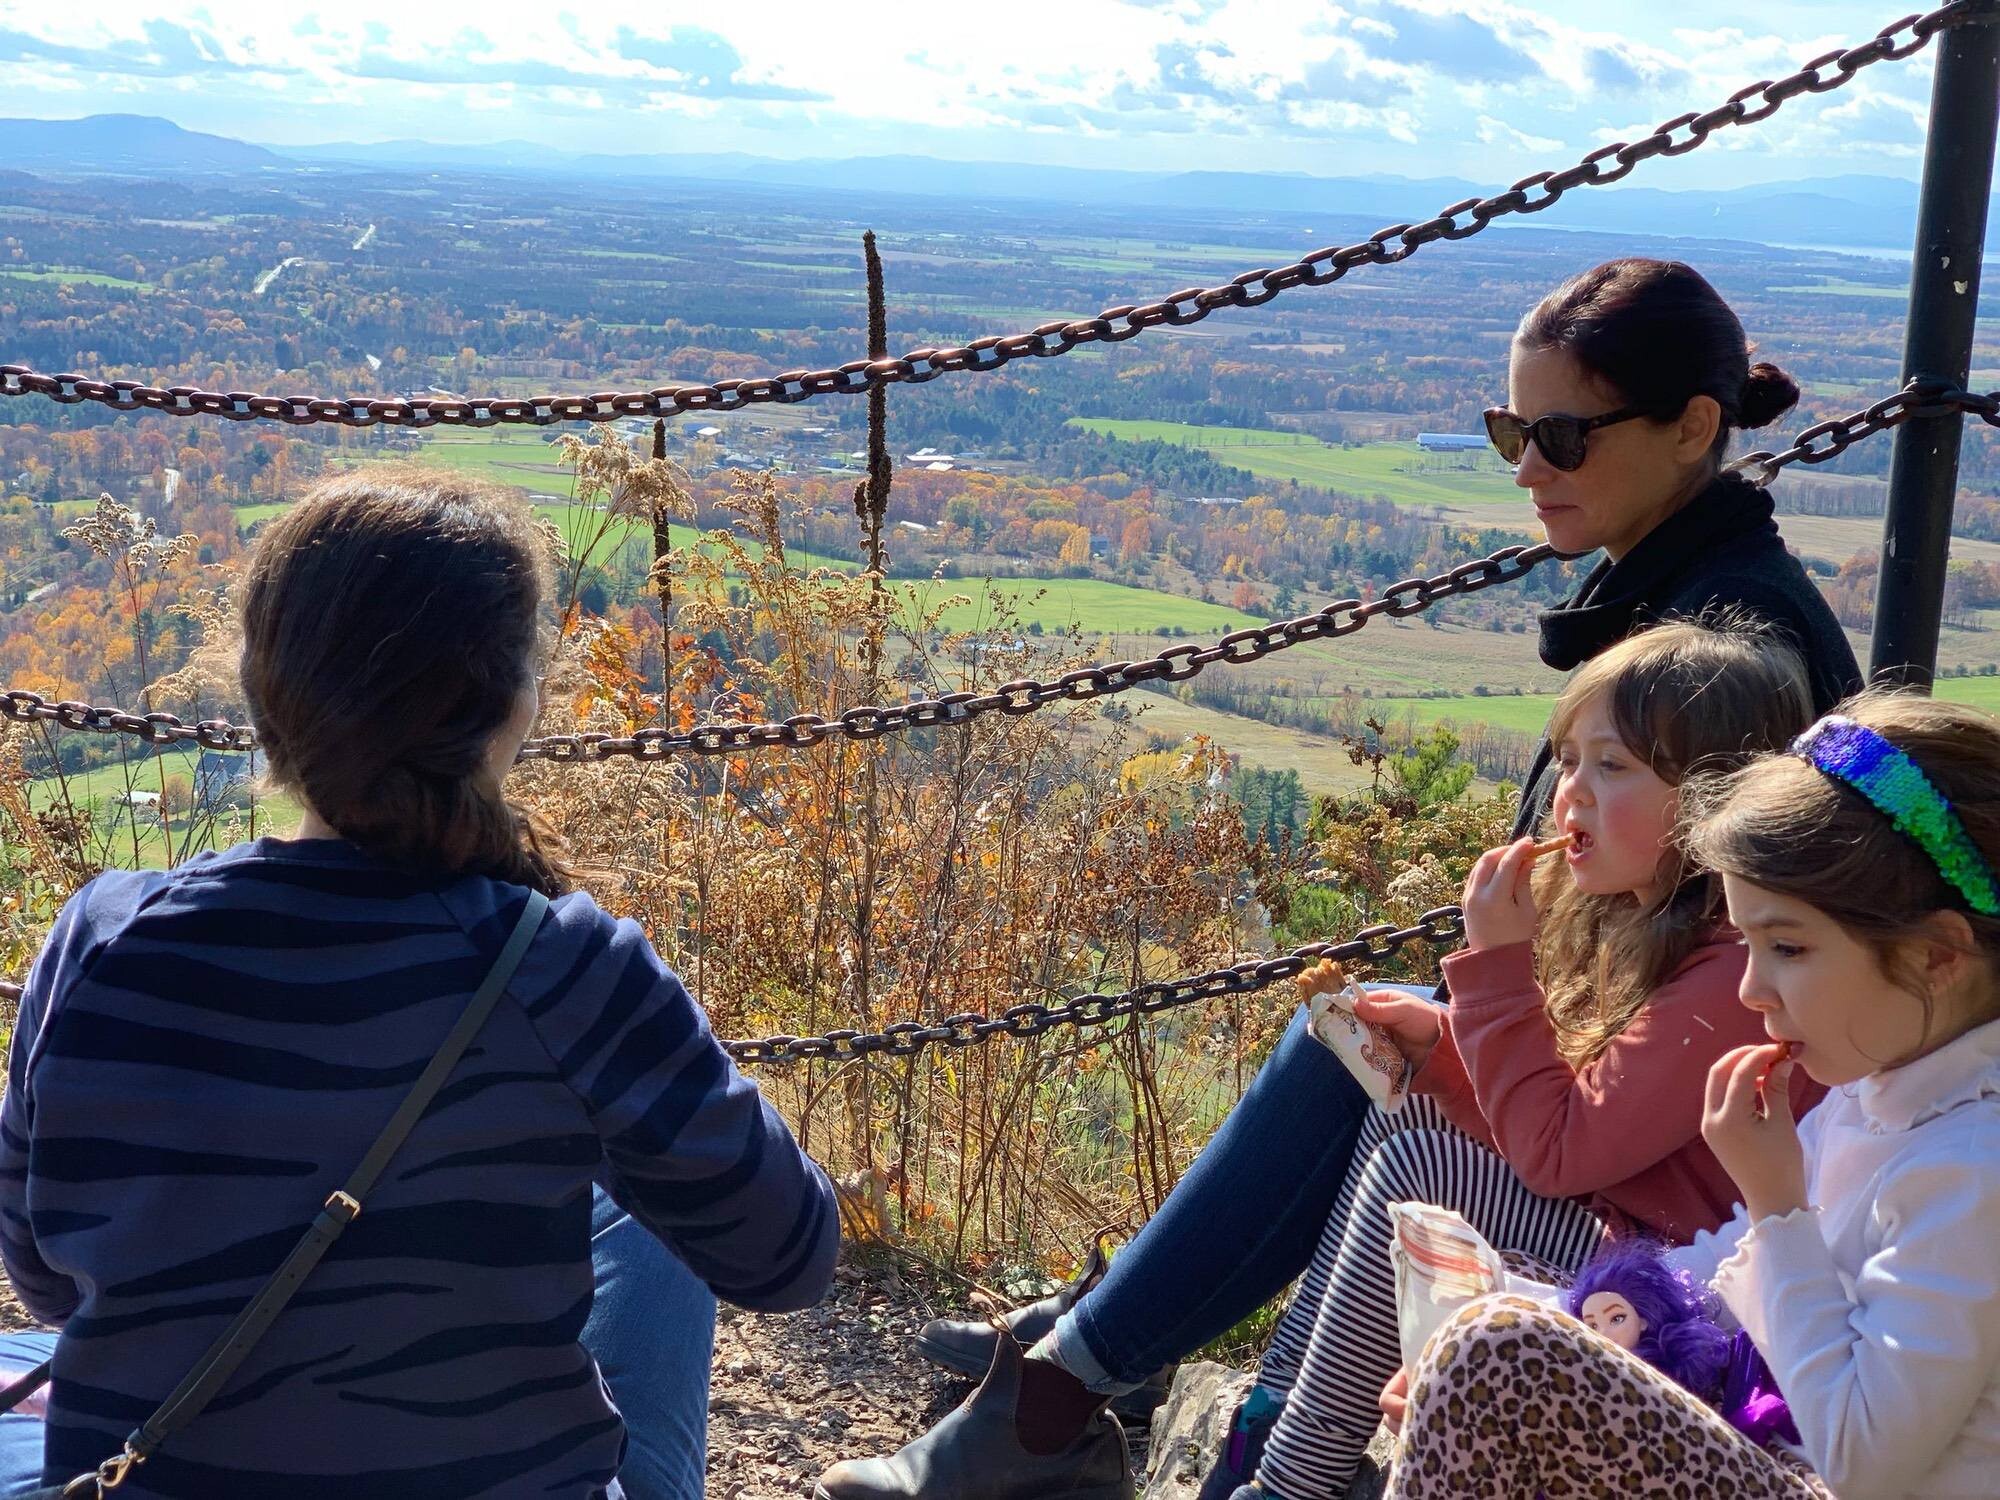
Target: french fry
{"type": "Point", "coordinates": [1551, 846]}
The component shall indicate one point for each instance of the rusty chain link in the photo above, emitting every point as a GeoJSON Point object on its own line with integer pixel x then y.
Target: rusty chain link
{"type": "Point", "coordinates": [1023, 1022]}
{"type": "Point", "coordinates": [870, 721]}
{"type": "Point", "coordinates": [1830, 439]}
{"type": "Point", "coordinates": [1747, 106]}
{"type": "Point", "coordinates": [907, 1038]}
{"type": "Point", "coordinates": [155, 729]}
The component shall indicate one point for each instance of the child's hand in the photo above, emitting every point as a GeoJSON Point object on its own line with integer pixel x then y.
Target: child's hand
{"type": "Point", "coordinates": [1747, 1122]}
{"type": "Point", "coordinates": [1415, 1025]}
{"type": "Point", "coordinates": [1499, 907]}
{"type": "Point", "coordinates": [1395, 1398]}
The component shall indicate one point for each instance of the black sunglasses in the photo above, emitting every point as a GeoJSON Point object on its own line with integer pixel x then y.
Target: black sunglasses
{"type": "Point", "coordinates": [1559, 437]}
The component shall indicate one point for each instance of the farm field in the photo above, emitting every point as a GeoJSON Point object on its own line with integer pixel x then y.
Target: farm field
{"type": "Point", "coordinates": [1525, 714]}
{"type": "Point", "coordinates": [1835, 286]}
{"type": "Point", "coordinates": [519, 460]}
{"type": "Point", "coordinates": [105, 782]}
{"type": "Point", "coordinates": [1321, 762]}
{"type": "Point", "coordinates": [1094, 606]}
{"type": "Point", "coordinates": [71, 277]}
{"type": "Point", "coordinates": [99, 787]}
{"type": "Point", "coordinates": [1387, 469]}
{"type": "Point", "coordinates": [1980, 692]}
{"type": "Point", "coordinates": [1529, 712]}
{"type": "Point", "coordinates": [1399, 659]}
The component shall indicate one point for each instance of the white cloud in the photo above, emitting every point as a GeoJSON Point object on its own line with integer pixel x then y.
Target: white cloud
{"type": "Point", "coordinates": [1481, 88]}
{"type": "Point", "coordinates": [1499, 133]}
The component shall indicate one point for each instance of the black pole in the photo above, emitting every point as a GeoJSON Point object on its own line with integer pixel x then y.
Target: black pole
{"type": "Point", "coordinates": [1937, 345]}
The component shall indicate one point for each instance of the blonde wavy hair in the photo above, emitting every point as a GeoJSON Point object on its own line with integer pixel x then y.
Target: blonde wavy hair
{"type": "Point", "coordinates": [1688, 699]}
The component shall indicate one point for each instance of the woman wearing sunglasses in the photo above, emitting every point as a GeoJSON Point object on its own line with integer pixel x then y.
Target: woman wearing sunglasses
{"type": "Point", "coordinates": [1624, 387]}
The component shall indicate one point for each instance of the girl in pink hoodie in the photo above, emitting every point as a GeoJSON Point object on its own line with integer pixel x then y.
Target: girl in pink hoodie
{"type": "Point", "coordinates": [1558, 1097]}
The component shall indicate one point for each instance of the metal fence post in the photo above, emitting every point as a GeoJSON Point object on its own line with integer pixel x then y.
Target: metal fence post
{"type": "Point", "coordinates": [1937, 345]}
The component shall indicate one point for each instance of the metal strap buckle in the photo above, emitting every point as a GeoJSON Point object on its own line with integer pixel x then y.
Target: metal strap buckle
{"type": "Point", "coordinates": [108, 1475]}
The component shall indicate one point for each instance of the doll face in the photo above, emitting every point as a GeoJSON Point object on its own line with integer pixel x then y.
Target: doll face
{"type": "Point", "coordinates": [1611, 1315]}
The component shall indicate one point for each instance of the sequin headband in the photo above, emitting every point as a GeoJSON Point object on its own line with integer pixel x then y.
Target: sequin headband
{"type": "Point", "coordinates": [1857, 756]}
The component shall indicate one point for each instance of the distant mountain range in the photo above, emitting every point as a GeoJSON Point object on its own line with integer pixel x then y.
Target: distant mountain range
{"type": "Point", "coordinates": [1853, 211]}
{"type": "Point", "coordinates": [134, 144]}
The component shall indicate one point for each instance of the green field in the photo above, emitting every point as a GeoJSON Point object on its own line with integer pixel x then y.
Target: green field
{"type": "Point", "coordinates": [1980, 692]}
{"type": "Point", "coordinates": [1834, 286]}
{"type": "Point", "coordinates": [1097, 607]}
{"type": "Point", "coordinates": [1527, 713]}
{"type": "Point", "coordinates": [106, 782]}
{"type": "Point", "coordinates": [70, 275]}
{"type": "Point", "coordinates": [97, 791]}
{"type": "Point", "coordinates": [1391, 470]}
{"type": "Point", "coordinates": [525, 460]}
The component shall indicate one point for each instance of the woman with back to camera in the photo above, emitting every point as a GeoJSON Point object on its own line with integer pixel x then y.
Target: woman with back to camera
{"type": "Point", "coordinates": [205, 1054]}
{"type": "Point", "coordinates": [1624, 386]}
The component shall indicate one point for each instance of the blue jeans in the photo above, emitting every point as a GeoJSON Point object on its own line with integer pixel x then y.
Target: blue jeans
{"type": "Point", "coordinates": [651, 1330]}
{"type": "Point", "coordinates": [1238, 1228]}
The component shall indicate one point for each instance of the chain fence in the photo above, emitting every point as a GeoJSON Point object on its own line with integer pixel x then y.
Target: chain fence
{"type": "Point", "coordinates": [1608, 164]}
{"type": "Point", "coordinates": [1829, 439]}
{"type": "Point", "coordinates": [1030, 1020]}
{"type": "Point", "coordinates": [1816, 444]}
{"type": "Point", "coordinates": [1027, 1021]}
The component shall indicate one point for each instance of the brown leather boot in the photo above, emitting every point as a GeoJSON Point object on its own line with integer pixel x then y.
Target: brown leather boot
{"type": "Point", "coordinates": [967, 1344]}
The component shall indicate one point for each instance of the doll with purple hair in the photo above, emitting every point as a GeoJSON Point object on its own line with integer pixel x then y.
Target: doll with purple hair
{"type": "Point", "coordinates": [1632, 1297]}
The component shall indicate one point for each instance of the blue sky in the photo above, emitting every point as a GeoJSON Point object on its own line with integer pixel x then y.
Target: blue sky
{"type": "Point", "coordinates": [1416, 87]}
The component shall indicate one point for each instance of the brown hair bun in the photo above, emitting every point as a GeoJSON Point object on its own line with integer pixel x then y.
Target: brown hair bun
{"type": "Point", "coordinates": [1768, 393]}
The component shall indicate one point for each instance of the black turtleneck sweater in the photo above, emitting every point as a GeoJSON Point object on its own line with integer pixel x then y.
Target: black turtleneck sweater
{"type": "Point", "coordinates": [1720, 550]}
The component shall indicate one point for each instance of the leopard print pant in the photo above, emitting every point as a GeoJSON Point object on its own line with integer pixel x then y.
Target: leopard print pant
{"type": "Point", "coordinates": [1515, 1400]}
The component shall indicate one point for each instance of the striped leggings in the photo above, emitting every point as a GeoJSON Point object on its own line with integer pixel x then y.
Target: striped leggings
{"type": "Point", "coordinates": [1336, 1346]}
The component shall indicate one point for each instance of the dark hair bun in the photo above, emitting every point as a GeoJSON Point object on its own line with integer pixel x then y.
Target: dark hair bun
{"type": "Point", "coordinates": [1767, 395]}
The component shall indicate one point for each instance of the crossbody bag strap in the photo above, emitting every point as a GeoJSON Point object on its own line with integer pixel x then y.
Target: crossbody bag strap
{"type": "Point", "coordinates": [215, 1367]}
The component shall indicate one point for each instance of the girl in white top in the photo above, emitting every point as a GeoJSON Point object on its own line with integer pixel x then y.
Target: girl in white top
{"type": "Point", "coordinates": [1865, 1259]}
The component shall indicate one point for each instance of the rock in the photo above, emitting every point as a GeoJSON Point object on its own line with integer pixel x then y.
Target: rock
{"type": "Point", "coordinates": [1374, 1475]}
{"type": "Point", "coordinates": [1188, 1432]}
{"type": "Point", "coordinates": [1188, 1429]}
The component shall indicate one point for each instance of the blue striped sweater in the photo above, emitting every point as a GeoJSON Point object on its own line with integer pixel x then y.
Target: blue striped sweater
{"type": "Point", "coordinates": [204, 1054]}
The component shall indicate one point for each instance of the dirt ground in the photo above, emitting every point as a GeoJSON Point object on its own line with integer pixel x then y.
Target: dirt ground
{"type": "Point", "coordinates": [794, 1393]}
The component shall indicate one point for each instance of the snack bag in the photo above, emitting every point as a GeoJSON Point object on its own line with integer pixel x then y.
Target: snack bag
{"type": "Point", "coordinates": [1368, 1051]}
{"type": "Point", "coordinates": [1441, 1263]}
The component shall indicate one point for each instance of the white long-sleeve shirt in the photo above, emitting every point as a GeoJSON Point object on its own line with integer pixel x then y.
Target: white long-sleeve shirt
{"type": "Point", "coordinates": [1878, 1308]}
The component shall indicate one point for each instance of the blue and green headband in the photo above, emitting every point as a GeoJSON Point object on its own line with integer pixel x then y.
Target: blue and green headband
{"type": "Point", "coordinates": [1857, 756]}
